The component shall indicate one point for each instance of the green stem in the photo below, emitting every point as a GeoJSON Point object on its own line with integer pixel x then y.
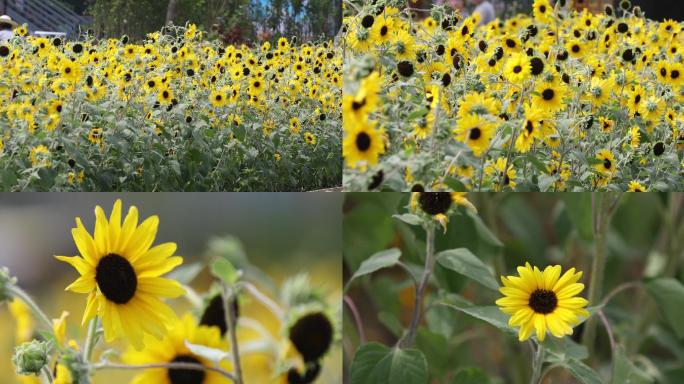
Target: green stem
{"type": "Point", "coordinates": [537, 363]}
{"type": "Point", "coordinates": [91, 339]}
{"type": "Point", "coordinates": [598, 265]}
{"type": "Point", "coordinates": [48, 374]}
{"type": "Point", "coordinates": [231, 320]}
{"type": "Point", "coordinates": [20, 294]}
{"type": "Point", "coordinates": [420, 288]}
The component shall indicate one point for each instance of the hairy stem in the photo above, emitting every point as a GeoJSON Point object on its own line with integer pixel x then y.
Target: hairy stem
{"type": "Point", "coordinates": [21, 294]}
{"type": "Point", "coordinates": [537, 363]}
{"type": "Point", "coordinates": [91, 338]}
{"type": "Point", "coordinates": [175, 365]}
{"type": "Point", "coordinates": [420, 289]}
{"type": "Point", "coordinates": [231, 320]}
{"type": "Point", "coordinates": [357, 318]}
{"type": "Point", "coordinates": [597, 268]}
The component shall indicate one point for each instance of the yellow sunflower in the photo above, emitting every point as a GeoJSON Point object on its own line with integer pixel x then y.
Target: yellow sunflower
{"type": "Point", "coordinates": [635, 186]}
{"type": "Point", "coordinates": [607, 166]}
{"type": "Point", "coordinates": [518, 68]}
{"type": "Point", "coordinates": [476, 132]}
{"type": "Point", "coordinates": [543, 301]}
{"type": "Point", "coordinates": [120, 273]}
{"type": "Point", "coordinates": [363, 143]}
{"type": "Point", "coordinates": [172, 349]}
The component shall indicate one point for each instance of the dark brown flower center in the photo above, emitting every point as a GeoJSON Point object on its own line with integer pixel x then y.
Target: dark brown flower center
{"type": "Point", "coordinates": [363, 141]}
{"type": "Point", "coordinates": [543, 301]}
{"type": "Point", "coordinates": [185, 376]}
{"type": "Point", "coordinates": [116, 278]}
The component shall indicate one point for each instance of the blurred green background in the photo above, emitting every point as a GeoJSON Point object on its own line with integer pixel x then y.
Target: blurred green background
{"type": "Point", "coordinates": [283, 234]}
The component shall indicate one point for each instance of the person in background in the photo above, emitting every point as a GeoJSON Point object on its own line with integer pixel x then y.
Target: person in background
{"type": "Point", "coordinates": [6, 27]}
{"type": "Point", "coordinates": [485, 9]}
{"type": "Point", "coordinates": [458, 5]}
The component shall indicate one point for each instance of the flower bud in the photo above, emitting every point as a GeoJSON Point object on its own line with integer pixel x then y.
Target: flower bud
{"type": "Point", "coordinates": [29, 358]}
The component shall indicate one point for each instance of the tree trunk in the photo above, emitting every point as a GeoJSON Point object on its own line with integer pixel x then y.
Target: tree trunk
{"type": "Point", "coordinates": [170, 11]}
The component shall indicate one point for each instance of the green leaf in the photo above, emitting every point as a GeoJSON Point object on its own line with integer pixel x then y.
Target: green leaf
{"type": "Point", "coordinates": [212, 354]}
{"type": "Point", "coordinates": [455, 185]}
{"type": "Point", "coordinates": [470, 376]}
{"type": "Point", "coordinates": [377, 364]}
{"type": "Point", "coordinates": [583, 372]}
{"type": "Point", "coordinates": [224, 270]}
{"type": "Point", "coordinates": [489, 314]}
{"type": "Point", "coordinates": [417, 114]}
{"type": "Point", "coordinates": [483, 231]}
{"type": "Point", "coordinates": [409, 218]}
{"type": "Point", "coordinates": [563, 349]}
{"type": "Point", "coordinates": [383, 259]}
{"type": "Point", "coordinates": [461, 260]}
{"type": "Point", "coordinates": [669, 294]}
{"type": "Point", "coordinates": [624, 372]}
{"type": "Point", "coordinates": [541, 167]}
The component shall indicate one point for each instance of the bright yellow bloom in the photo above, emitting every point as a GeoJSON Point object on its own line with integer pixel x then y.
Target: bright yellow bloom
{"type": "Point", "coordinates": [120, 272]}
{"type": "Point", "coordinates": [542, 302]}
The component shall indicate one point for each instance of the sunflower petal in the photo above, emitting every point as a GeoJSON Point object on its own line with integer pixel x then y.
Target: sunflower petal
{"type": "Point", "coordinates": [159, 286]}
{"type": "Point", "coordinates": [162, 268]}
{"type": "Point", "coordinates": [540, 326]}
{"type": "Point", "coordinates": [79, 263]}
{"type": "Point", "coordinates": [85, 243]}
{"type": "Point", "coordinates": [142, 238]}
{"type": "Point", "coordinates": [84, 284]}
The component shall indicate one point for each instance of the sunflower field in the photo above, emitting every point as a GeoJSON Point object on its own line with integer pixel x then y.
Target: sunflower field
{"type": "Point", "coordinates": [533, 288]}
{"type": "Point", "coordinates": [553, 100]}
{"type": "Point", "coordinates": [175, 112]}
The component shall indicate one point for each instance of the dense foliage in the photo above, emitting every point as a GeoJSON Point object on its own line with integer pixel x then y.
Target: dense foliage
{"type": "Point", "coordinates": [173, 113]}
{"type": "Point", "coordinates": [555, 100]}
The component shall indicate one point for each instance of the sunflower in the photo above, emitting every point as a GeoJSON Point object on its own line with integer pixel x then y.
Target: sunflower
{"type": "Point", "coordinates": [363, 143]}
{"type": "Point", "coordinates": [550, 96]}
{"type": "Point", "coordinates": [543, 301]}
{"type": "Point", "coordinates": [476, 132]}
{"type": "Point", "coordinates": [165, 95]}
{"type": "Point", "coordinates": [172, 349]}
{"type": "Point", "coordinates": [309, 138]}
{"type": "Point", "coordinates": [40, 157]}
{"type": "Point", "coordinates": [542, 10]}
{"type": "Point", "coordinates": [438, 204]}
{"type": "Point", "coordinates": [218, 99]}
{"type": "Point", "coordinates": [635, 186]}
{"type": "Point", "coordinates": [70, 71]}
{"type": "Point", "coordinates": [120, 273]}
{"type": "Point", "coordinates": [507, 179]}
{"type": "Point", "coordinates": [479, 104]}
{"type": "Point", "coordinates": [607, 166]}
{"type": "Point", "coordinates": [295, 125]}
{"type": "Point", "coordinates": [518, 68]}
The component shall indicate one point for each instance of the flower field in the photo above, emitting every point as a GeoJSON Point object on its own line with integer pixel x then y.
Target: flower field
{"type": "Point", "coordinates": [175, 112]}
{"type": "Point", "coordinates": [553, 100]}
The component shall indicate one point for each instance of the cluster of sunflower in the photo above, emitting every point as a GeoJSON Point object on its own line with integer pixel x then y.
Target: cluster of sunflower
{"type": "Point", "coordinates": [555, 100]}
{"type": "Point", "coordinates": [120, 271]}
{"type": "Point", "coordinates": [173, 112]}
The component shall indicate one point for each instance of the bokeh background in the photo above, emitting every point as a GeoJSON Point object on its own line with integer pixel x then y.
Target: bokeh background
{"type": "Point", "coordinates": [283, 234]}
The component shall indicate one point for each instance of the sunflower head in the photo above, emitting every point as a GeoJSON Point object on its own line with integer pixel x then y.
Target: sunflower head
{"type": "Point", "coordinates": [542, 302]}
{"type": "Point", "coordinates": [120, 271]}
{"type": "Point", "coordinates": [173, 349]}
